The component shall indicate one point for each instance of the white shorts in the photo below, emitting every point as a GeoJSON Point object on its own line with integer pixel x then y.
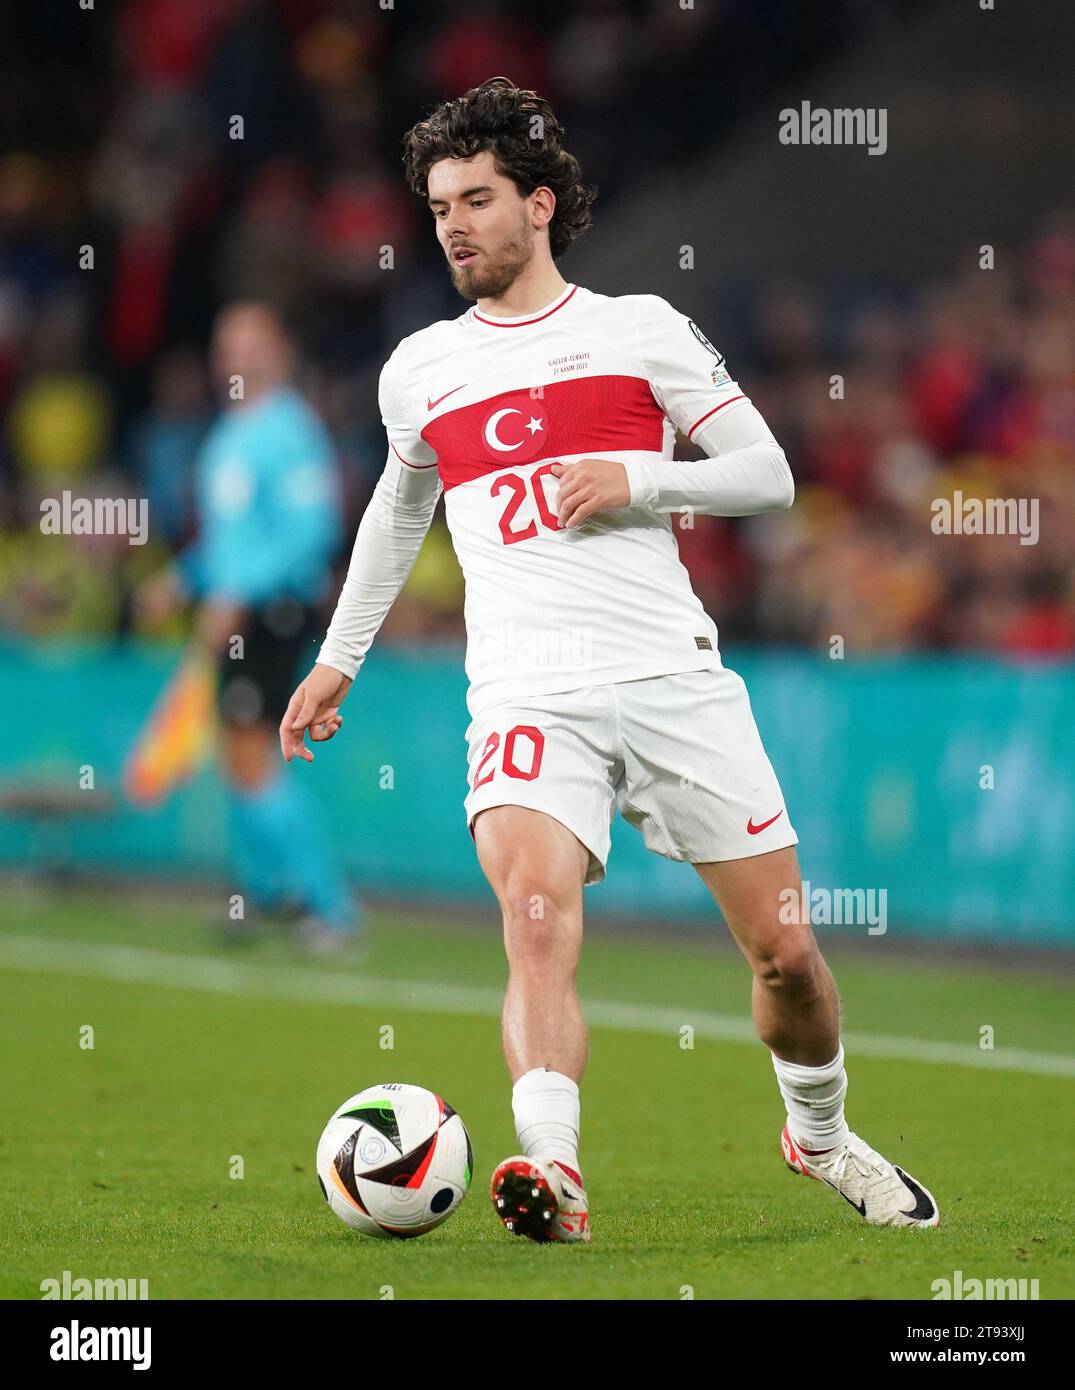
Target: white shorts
{"type": "Point", "coordinates": [679, 756]}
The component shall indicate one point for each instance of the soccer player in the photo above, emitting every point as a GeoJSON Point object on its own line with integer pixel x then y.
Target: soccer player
{"type": "Point", "coordinates": [268, 527]}
{"type": "Point", "coordinates": [546, 414]}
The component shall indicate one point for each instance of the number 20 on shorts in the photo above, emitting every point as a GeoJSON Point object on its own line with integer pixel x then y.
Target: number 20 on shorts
{"type": "Point", "coordinates": [522, 745]}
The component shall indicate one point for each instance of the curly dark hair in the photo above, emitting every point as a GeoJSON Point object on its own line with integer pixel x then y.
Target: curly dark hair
{"type": "Point", "coordinates": [500, 117]}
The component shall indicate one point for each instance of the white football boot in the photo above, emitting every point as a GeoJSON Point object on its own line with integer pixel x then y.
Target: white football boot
{"type": "Point", "coordinates": [881, 1193]}
{"type": "Point", "coordinates": [542, 1199]}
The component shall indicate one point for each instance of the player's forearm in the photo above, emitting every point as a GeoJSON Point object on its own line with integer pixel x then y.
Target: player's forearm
{"type": "Point", "coordinates": [746, 481]}
{"type": "Point", "coordinates": [745, 472]}
{"type": "Point", "coordinates": [389, 538]}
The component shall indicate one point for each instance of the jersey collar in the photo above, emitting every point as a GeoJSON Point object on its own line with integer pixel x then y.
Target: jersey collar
{"type": "Point", "coordinates": [524, 319]}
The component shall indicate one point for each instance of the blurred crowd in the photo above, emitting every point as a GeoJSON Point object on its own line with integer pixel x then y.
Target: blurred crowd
{"type": "Point", "coordinates": [963, 389]}
{"type": "Point", "coordinates": [132, 206]}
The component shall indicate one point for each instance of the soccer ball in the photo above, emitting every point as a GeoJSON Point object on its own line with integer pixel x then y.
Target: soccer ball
{"type": "Point", "coordinates": [394, 1160]}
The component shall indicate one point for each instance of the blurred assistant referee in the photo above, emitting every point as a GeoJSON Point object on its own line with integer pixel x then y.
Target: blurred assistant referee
{"type": "Point", "coordinates": [267, 512]}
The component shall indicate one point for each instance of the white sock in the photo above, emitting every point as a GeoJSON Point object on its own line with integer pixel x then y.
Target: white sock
{"type": "Point", "coordinates": [814, 1097]}
{"type": "Point", "coordinates": [546, 1108]}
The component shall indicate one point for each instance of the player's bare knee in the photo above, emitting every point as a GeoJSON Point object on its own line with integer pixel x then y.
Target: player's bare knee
{"type": "Point", "coordinates": [538, 933]}
{"type": "Point", "coordinates": [791, 966]}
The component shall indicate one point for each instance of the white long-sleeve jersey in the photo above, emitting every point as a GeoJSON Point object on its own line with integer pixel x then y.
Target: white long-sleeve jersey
{"type": "Point", "coordinates": [481, 409]}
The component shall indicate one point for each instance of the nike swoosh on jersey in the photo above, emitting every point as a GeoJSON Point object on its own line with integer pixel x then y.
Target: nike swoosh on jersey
{"type": "Point", "coordinates": [753, 829]}
{"type": "Point", "coordinates": [432, 405]}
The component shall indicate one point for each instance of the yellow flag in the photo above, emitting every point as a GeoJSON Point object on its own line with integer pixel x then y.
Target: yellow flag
{"type": "Point", "coordinates": [178, 735]}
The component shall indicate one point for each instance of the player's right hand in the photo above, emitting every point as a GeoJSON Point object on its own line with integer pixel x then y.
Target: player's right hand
{"type": "Point", "coordinates": [315, 706]}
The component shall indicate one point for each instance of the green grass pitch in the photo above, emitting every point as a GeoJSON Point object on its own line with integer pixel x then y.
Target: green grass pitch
{"type": "Point", "coordinates": [115, 1160]}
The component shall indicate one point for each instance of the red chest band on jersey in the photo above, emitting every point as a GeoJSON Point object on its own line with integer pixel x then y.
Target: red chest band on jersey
{"type": "Point", "coordinates": [587, 415]}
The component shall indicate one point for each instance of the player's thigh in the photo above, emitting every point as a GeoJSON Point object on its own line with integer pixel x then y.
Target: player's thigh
{"type": "Point", "coordinates": [535, 865]}
{"type": "Point", "coordinates": [759, 898]}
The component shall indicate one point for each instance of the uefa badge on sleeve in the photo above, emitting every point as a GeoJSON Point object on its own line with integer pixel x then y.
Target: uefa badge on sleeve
{"type": "Point", "coordinates": [705, 342]}
{"type": "Point", "coordinates": [720, 375]}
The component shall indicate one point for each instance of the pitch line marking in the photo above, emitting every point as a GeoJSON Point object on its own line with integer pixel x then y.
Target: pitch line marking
{"type": "Point", "coordinates": [141, 965]}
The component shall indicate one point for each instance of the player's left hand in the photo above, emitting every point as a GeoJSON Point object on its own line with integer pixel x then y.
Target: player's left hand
{"type": "Point", "coordinates": [591, 485]}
